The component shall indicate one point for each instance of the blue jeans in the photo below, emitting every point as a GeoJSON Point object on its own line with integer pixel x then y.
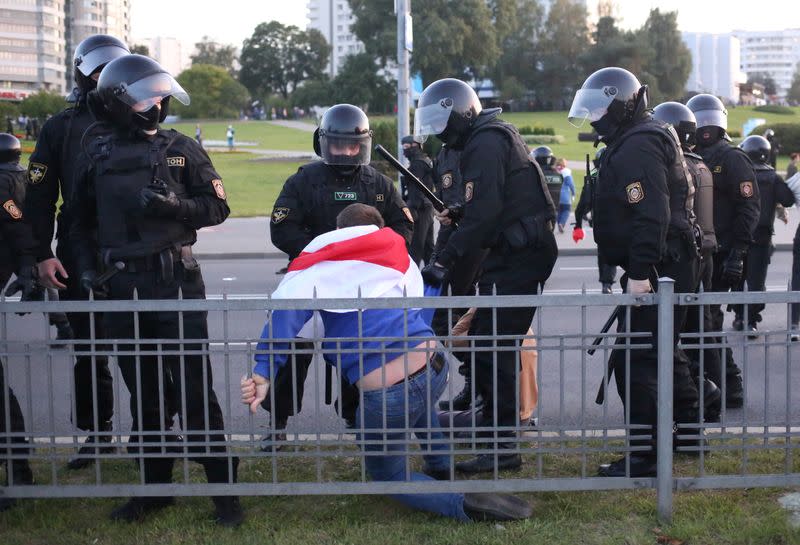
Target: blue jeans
{"type": "Point", "coordinates": [418, 412]}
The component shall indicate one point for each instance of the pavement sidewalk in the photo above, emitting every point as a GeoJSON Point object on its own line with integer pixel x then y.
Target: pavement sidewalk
{"type": "Point", "coordinates": [248, 238]}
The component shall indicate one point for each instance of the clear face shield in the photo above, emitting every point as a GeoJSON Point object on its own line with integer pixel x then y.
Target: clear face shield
{"type": "Point", "coordinates": [346, 150]}
{"type": "Point", "coordinates": [431, 119]}
{"type": "Point", "coordinates": [145, 93]}
{"type": "Point", "coordinates": [715, 118]}
{"type": "Point", "coordinates": [97, 57]}
{"type": "Point", "coordinates": [590, 105]}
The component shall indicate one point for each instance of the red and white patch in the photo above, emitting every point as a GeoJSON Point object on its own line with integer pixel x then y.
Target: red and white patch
{"type": "Point", "coordinates": [746, 189]}
{"type": "Point", "coordinates": [13, 210]}
{"type": "Point", "coordinates": [219, 189]}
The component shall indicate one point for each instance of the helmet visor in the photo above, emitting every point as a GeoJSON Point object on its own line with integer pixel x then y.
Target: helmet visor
{"type": "Point", "coordinates": [141, 95]}
{"type": "Point", "coordinates": [591, 105]}
{"type": "Point", "coordinates": [346, 151]}
{"type": "Point", "coordinates": [91, 61]}
{"type": "Point", "coordinates": [431, 119]}
{"type": "Point", "coordinates": [711, 118]}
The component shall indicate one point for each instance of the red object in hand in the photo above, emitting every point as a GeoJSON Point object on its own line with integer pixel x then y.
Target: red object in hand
{"type": "Point", "coordinates": [577, 234]}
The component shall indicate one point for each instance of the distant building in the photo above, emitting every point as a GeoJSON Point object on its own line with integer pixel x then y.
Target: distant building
{"type": "Point", "coordinates": [715, 64]}
{"type": "Point", "coordinates": [333, 19]}
{"type": "Point", "coordinates": [171, 53]}
{"type": "Point", "coordinates": [774, 53]}
{"type": "Point", "coordinates": [38, 38]}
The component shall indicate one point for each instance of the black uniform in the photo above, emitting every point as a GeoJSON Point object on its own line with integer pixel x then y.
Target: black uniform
{"type": "Point", "coordinates": [642, 222]}
{"type": "Point", "coordinates": [508, 210]}
{"type": "Point", "coordinates": [606, 273]}
{"type": "Point", "coordinates": [17, 251]}
{"type": "Point", "coordinates": [554, 181]}
{"type": "Point", "coordinates": [772, 191]}
{"type": "Point", "coordinates": [156, 252]}
{"type": "Point", "coordinates": [421, 208]}
{"type": "Point", "coordinates": [736, 212]}
{"type": "Point", "coordinates": [50, 173]}
{"type": "Point", "coordinates": [307, 207]}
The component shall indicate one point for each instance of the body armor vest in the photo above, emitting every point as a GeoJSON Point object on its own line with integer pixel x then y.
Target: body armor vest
{"type": "Point", "coordinates": [447, 177]}
{"type": "Point", "coordinates": [704, 199]}
{"type": "Point", "coordinates": [122, 168]}
{"type": "Point", "coordinates": [767, 178]}
{"type": "Point", "coordinates": [554, 180]}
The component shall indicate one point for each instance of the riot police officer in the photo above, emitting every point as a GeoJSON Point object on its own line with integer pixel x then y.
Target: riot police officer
{"type": "Point", "coordinates": [547, 162]}
{"type": "Point", "coordinates": [507, 209]}
{"type": "Point", "coordinates": [307, 207]}
{"type": "Point", "coordinates": [146, 191]}
{"type": "Point", "coordinates": [774, 147]}
{"type": "Point", "coordinates": [606, 273]}
{"type": "Point", "coordinates": [736, 213]}
{"type": "Point", "coordinates": [50, 174]}
{"type": "Point", "coordinates": [421, 208]}
{"type": "Point", "coordinates": [772, 191]}
{"type": "Point", "coordinates": [17, 254]}
{"type": "Point", "coordinates": [683, 121]}
{"type": "Point", "coordinates": [642, 222]}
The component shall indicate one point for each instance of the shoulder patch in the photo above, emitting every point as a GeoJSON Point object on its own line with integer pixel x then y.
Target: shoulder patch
{"type": "Point", "coordinates": [13, 210]}
{"type": "Point", "coordinates": [219, 189]}
{"type": "Point", "coordinates": [635, 192]}
{"type": "Point", "coordinates": [407, 212]}
{"type": "Point", "coordinates": [36, 173]}
{"type": "Point", "coordinates": [469, 191]}
{"type": "Point", "coordinates": [717, 169]}
{"type": "Point", "coordinates": [176, 161]}
{"type": "Point", "coordinates": [279, 214]}
{"type": "Point", "coordinates": [746, 189]}
{"type": "Point", "coordinates": [447, 180]}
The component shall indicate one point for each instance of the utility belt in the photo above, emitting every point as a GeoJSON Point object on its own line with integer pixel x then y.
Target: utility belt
{"type": "Point", "coordinates": [525, 232]}
{"type": "Point", "coordinates": [162, 262]}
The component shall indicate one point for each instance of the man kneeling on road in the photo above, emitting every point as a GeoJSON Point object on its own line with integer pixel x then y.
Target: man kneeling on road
{"type": "Point", "coordinates": [402, 389]}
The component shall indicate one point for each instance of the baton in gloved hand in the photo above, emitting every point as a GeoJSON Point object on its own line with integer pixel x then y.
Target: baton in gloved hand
{"type": "Point", "coordinates": [100, 281]}
{"type": "Point", "coordinates": [438, 205]}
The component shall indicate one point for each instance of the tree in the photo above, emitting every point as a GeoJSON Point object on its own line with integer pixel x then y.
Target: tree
{"type": "Point", "coordinates": [317, 92]}
{"type": "Point", "coordinates": [277, 58]}
{"type": "Point", "coordinates": [215, 54]}
{"type": "Point", "coordinates": [614, 47]}
{"type": "Point", "coordinates": [518, 25]}
{"type": "Point", "coordinates": [793, 95]}
{"type": "Point", "coordinates": [670, 64]}
{"type": "Point", "coordinates": [359, 83]}
{"type": "Point", "coordinates": [214, 93]}
{"type": "Point", "coordinates": [42, 104]}
{"type": "Point", "coordinates": [452, 38]}
{"type": "Point", "coordinates": [564, 41]}
{"type": "Point", "coordinates": [140, 49]}
{"type": "Point", "coordinates": [770, 87]}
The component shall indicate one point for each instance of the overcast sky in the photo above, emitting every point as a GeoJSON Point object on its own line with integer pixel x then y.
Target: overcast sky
{"type": "Point", "coordinates": [231, 21]}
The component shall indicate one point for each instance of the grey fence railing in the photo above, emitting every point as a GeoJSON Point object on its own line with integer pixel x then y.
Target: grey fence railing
{"type": "Point", "coordinates": [317, 452]}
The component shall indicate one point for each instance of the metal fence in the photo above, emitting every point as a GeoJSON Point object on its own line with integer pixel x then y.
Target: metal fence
{"type": "Point", "coordinates": [317, 453]}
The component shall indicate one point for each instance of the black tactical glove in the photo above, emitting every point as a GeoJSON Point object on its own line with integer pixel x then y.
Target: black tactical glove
{"type": "Point", "coordinates": [434, 274]}
{"type": "Point", "coordinates": [25, 282]}
{"type": "Point", "coordinates": [455, 212]}
{"type": "Point", "coordinates": [89, 285]}
{"type": "Point", "coordinates": [158, 204]}
{"type": "Point", "coordinates": [733, 267]}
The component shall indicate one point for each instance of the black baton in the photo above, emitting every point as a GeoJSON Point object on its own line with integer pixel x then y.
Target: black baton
{"type": "Point", "coordinates": [438, 205]}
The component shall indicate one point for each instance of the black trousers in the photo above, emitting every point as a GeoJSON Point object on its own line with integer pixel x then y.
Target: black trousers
{"type": "Point", "coordinates": [497, 369]}
{"type": "Point", "coordinates": [288, 389]}
{"type": "Point", "coordinates": [718, 317]}
{"type": "Point", "coordinates": [16, 423]}
{"type": "Point", "coordinates": [88, 372]}
{"type": "Point", "coordinates": [796, 275]}
{"type": "Point", "coordinates": [696, 315]}
{"type": "Point", "coordinates": [169, 381]}
{"type": "Point", "coordinates": [422, 239]}
{"type": "Point", "coordinates": [680, 264]}
{"type": "Point", "coordinates": [758, 260]}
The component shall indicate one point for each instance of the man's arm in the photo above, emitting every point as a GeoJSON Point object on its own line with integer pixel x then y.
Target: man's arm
{"type": "Point", "coordinates": [84, 219]}
{"type": "Point", "coordinates": [288, 228]}
{"type": "Point", "coordinates": [17, 233]}
{"type": "Point", "coordinates": [207, 203]}
{"type": "Point", "coordinates": [44, 177]}
{"type": "Point", "coordinates": [742, 190]}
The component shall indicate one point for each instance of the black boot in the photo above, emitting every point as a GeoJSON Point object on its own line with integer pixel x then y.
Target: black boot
{"type": "Point", "coordinates": [483, 507]}
{"type": "Point", "coordinates": [137, 509]}
{"type": "Point", "coordinates": [228, 511]}
{"type": "Point", "coordinates": [463, 399]}
{"type": "Point", "coordinates": [641, 466]}
{"type": "Point", "coordinates": [607, 289]}
{"type": "Point", "coordinates": [90, 448]}
{"type": "Point", "coordinates": [21, 475]}
{"type": "Point", "coordinates": [484, 463]}
{"type": "Point", "coordinates": [734, 393]}
{"type": "Point", "coordinates": [712, 401]}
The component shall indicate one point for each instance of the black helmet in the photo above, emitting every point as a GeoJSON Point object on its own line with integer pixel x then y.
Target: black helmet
{"type": "Point", "coordinates": [344, 138]}
{"type": "Point", "coordinates": [709, 111]}
{"type": "Point", "coordinates": [91, 55]}
{"type": "Point", "coordinates": [610, 99]}
{"type": "Point", "coordinates": [447, 108]}
{"type": "Point", "coordinates": [130, 88]}
{"type": "Point", "coordinates": [680, 117]}
{"type": "Point", "coordinates": [598, 154]}
{"type": "Point", "coordinates": [10, 148]}
{"type": "Point", "coordinates": [757, 148]}
{"type": "Point", "coordinates": [408, 139]}
{"type": "Point", "coordinates": [769, 134]}
{"type": "Point", "coordinates": [544, 156]}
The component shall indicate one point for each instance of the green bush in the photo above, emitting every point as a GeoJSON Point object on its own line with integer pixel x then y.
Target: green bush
{"type": "Point", "coordinates": [542, 139]}
{"type": "Point", "coordinates": [538, 130]}
{"type": "Point", "coordinates": [787, 134]}
{"type": "Point", "coordinates": [733, 133]}
{"type": "Point", "coordinates": [774, 109]}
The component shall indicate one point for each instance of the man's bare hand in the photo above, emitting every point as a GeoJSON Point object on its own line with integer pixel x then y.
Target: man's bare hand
{"type": "Point", "coordinates": [47, 273]}
{"type": "Point", "coordinates": [254, 391]}
{"type": "Point", "coordinates": [443, 217]}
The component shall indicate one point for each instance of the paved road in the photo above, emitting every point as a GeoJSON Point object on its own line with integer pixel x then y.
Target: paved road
{"type": "Point", "coordinates": [765, 364]}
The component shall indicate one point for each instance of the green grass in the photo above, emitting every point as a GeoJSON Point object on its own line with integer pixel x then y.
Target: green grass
{"type": "Point", "coordinates": [266, 135]}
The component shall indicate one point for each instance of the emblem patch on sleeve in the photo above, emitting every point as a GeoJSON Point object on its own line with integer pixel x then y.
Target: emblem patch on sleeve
{"type": "Point", "coordinates": [36, 173]}
{"type": "Point", "coordinates": [469, 191]}
{"type": "Point", "coordinates": [407, 212]}
{"type": "Point", "coordinates": [746, 189]}
{"type": "Point", "coordinates": [13, 210]}
{"type": "Point", "coordinates": [717, 169]}
{"type": "Point", "coordinates": [447, 180]}
{"type": "Point", "coordinates": [176, 161]}
{"type": "Point", "coordinates": [379, 197]}
{"type": "Point", "coordinates": [280, 214]}
{"type": "Point", "coordinates": [635, 192]}
{"type": "Point", "coordinates": [219, 189]}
